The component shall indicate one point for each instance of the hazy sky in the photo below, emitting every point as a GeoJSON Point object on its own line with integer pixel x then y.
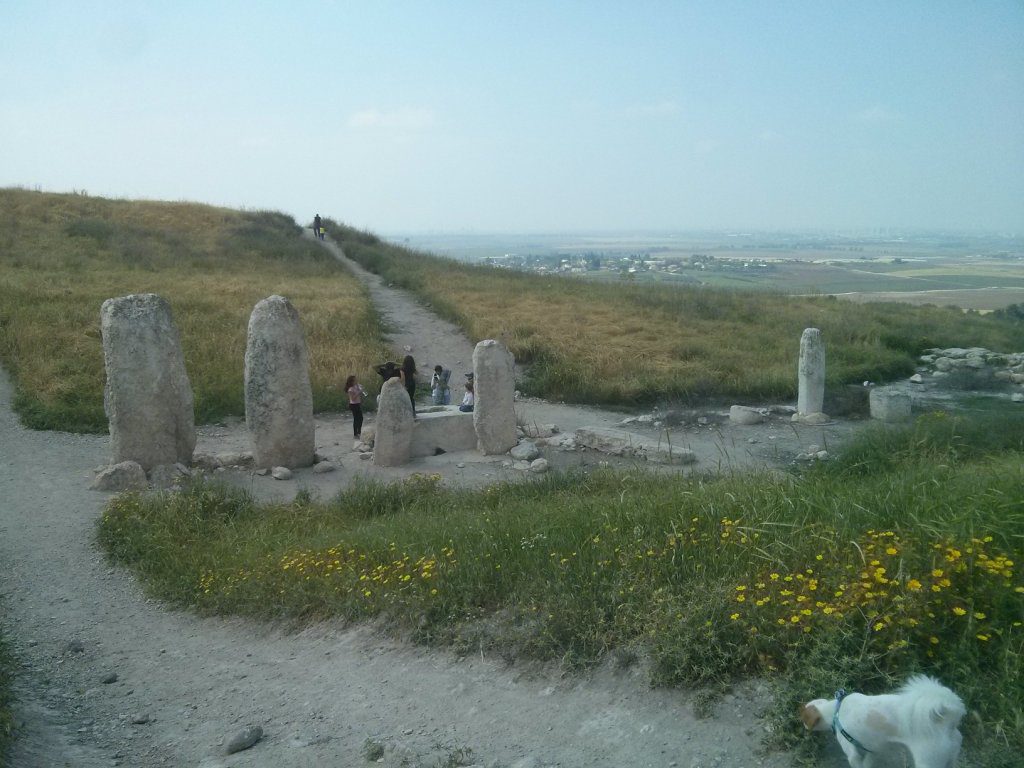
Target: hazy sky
{"type": "Point", "coordinates": [528, 116]}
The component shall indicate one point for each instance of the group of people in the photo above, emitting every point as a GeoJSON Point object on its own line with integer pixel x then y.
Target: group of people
{"type": "Point", "coordinates": [441, 393]}
{"type": "Point", "coordinates": [318, 227]}
{"type": "Point", "coordinates": [439, 389]}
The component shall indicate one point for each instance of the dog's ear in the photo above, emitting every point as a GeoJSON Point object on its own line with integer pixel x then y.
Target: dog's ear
{"type": "Point", "coordinates": [810, 715]}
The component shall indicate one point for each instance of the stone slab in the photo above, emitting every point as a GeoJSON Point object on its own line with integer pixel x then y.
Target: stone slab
{"type": "Point", "coordinates": [620, 443]}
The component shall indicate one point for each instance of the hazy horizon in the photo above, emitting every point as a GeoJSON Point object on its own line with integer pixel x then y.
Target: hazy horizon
{"type": "Point", "coordinates": [529, 117]}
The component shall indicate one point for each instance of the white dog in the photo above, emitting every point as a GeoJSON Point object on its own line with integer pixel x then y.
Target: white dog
{"type": "Point", "coordinates": [922, 717]}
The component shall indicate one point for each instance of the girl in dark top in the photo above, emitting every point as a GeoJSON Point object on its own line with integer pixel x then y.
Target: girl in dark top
{"type": "Point", "coordinates": [355, 404]}
{"type": "Point", "coordinates": [409, 379]}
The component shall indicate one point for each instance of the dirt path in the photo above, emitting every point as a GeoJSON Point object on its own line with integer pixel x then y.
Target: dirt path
{"type": "Point", "coordinates": [321, 693]}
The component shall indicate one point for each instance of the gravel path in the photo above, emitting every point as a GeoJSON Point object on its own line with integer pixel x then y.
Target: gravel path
{"type": "Point", "coordinates": [185, 686]}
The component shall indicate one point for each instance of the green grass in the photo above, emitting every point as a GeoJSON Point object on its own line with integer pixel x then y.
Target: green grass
{"type": "Point", "coordinates": [640, 341]}
{"type": "Point", "coordinates": [61, 256]}
{"type": "Point", "coordinates": [901, 556]}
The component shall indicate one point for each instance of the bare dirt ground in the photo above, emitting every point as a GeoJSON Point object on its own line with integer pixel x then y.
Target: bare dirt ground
{"type": "Point", "coordinates": [186, 685]}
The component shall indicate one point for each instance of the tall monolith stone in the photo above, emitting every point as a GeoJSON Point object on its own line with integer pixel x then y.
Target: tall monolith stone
{"type": "Point", "coordinates": [811, 379]}
{"type": "Point", "coordinates": [494, 417]}
{"type": "Point", "coordinates": [392, 439]}
{"type": "Point", "coordinates": [278, 397]}
{"type": "Point", "coordinates": [147, 397]}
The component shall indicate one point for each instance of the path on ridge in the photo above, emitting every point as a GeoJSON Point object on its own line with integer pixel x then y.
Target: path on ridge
{"type": "Point", "coordinates": [318, 693]}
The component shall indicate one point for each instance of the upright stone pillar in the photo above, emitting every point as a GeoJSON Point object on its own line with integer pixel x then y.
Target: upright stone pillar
{"type": "Point", "coordinates": [811, 379]}
{"type": "Point", "coordinates": [494, 417]}
{"type": "Point", "coordinates": [147, 397]}
{"type": "Point", "coordinates": [393, 433]}
{"type": "Point", "coordinates": [278, 396]}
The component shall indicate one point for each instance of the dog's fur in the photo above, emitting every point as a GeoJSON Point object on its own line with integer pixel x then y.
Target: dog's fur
{"type": "Point", "coordinates": [922, 717]}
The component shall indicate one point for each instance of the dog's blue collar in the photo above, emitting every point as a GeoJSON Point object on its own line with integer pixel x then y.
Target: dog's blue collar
{"type": "Point", "coordinates": [837, 727]}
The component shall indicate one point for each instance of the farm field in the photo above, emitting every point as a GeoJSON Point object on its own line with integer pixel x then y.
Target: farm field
{"type": "Point", "coordinates": [778, 263]}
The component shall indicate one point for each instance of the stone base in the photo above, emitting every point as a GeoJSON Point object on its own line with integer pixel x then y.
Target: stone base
{"type": "Point", "coordinates": [811, 419]}
{"type": "Point", "coordinates": [619, 443]}
{"type": "Point", "coordinates": [442, 427]}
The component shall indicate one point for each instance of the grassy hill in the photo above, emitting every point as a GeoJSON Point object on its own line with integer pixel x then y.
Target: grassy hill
{"type": "Point", "coordinates": [600, 342]}
{"type": "Point", "coordinates": [62, 255]}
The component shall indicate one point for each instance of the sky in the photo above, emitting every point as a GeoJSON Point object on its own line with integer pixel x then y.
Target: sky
{"type": "Point", "coordinates": [522, 116]}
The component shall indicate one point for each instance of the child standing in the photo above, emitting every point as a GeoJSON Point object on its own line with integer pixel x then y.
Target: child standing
{"type": "Point", "coordinates": [355, 404]}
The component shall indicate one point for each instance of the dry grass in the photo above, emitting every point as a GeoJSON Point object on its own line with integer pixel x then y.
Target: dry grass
{"type": "Point", "coordinates": [62, 255]}
{"type": "Point", "coordinates": [603, 342]}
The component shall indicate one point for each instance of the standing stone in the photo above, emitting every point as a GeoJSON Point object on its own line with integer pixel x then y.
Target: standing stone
{"type": "Point", "coordinates": [494, 417]}
{"type": "Point", "coordinates": [811, 379]}
{"type": "Point", "coordinates": [147, 397]}
{"type": "Point", "coordinates": [278, 397]}
{"type": "Point", "coordinates": [394, 427]}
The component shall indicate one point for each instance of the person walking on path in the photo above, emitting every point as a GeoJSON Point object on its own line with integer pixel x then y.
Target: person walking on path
{"type": "Point", "coordinates": [317, 221]}
{"type": "Point", "coordinates": [408, 375]}
{"type": "Point", "coordinates": [355, 404]}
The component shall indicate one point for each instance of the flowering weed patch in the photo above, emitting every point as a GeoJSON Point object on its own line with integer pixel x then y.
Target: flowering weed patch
{"type": "Point", "coordinates": [835, 577]}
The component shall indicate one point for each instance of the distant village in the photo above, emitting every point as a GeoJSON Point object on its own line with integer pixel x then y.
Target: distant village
{"type": "Point", "coordinates": [625, 266]}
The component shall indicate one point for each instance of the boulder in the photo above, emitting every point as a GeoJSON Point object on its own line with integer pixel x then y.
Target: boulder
{"type": "Point", "coordinates": [889, 405]}
{"type": "Point", "coordinates": [323, 467]}
{"type": "Point", "coordinates": [278, 396]}
{"type": "Point", "coordinates": [539, 466]}
{"type": "Point", "coordinates": [281, 473]}
{"type": "Point", "coordinates": [123, 476]}
{"type": "Point", "coordinates": [147, 397]}
{"type": "Point", "coordinates": [525, 451]}
{"type": "Point", "coordinates": [741, 414]}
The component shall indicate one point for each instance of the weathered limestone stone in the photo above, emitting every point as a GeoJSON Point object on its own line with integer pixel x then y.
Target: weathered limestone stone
{"type": "Point", "coordinates": [494, 417]}
{"type": "Point", "coordinates": [525, 451]}
{"type": "Point", "coordinates": [446, 429]}
{"type": "Point", "coordinates": [123, 476]}
{"type": "Point", "coordinates": [147, 397]}
{"type": "Point", "coordinates": [811, 370]}
{"type": "Point", "coordinates": [539, 466]}
{"type": "Point", "coordinates": [619, 443]}
{"type": "Point", "coordinates": [281, 473]}
{"type": "Point", "coordinates": [394, 428]}
{"type": "Point", "coordinates": [278, 397]}
{"type": "Point", "coordinates": [166, 476]}
{"type": "Point", "coordinates": [741, 414]}
{"type": "Point", "coordinates": [889, 404]}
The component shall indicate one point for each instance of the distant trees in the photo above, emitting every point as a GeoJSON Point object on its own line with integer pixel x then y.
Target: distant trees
{"type": "Point", "coordinates": [1014, 312]}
